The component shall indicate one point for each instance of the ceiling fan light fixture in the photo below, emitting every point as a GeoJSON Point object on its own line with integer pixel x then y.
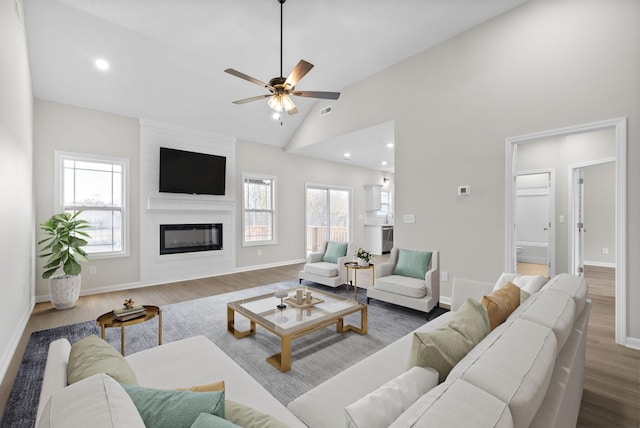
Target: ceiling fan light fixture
{"type": "Point", "coordinates": [275, 102]}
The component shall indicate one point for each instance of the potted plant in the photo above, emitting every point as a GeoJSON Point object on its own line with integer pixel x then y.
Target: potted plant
{"type": "Point", "coordinates": [364, 257]}
{"type": "Point", "coordinates": [63, 249]}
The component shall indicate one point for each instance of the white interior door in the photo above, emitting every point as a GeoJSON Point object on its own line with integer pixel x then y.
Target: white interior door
{"type": "Point", "coordinates": [578, 221]}
{"type": "Point", "coordinates": [534, 226]}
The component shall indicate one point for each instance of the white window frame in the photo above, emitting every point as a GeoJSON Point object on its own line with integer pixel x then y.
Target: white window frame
{"type": "Point", "coordinates": [274, 210]}
{"type": "Point", "coordinates": [59, 158]}
{"type": "Point", "coordinates": [381, 212]}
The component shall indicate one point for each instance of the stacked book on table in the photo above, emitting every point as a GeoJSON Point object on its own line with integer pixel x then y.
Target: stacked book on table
{"type": "Point", "coordinates": [126, 314]}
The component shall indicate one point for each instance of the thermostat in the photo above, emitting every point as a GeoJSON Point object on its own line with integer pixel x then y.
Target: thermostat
{"type": "Point", "coordinates": [464, 190]}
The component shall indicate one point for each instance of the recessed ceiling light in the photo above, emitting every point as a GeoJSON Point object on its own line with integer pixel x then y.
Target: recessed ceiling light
{"type": "Point", "coordinates": [389, 145]}
{"type": "Point", "coordinates": [384, 163]}
{"type": "Point", "coordinates": [346, 155]}
{"type": "Point", "coordinates": [102, 64]}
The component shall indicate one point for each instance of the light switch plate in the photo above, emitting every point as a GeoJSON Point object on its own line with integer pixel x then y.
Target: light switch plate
{"type": "Point", "coordinates": [409, 218]}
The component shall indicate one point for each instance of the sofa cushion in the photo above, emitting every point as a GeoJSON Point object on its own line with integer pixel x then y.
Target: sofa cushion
{"type": "Point", "coordinates": [555, 310]}
{"type": "Point", "coordinates": [246, 416]}
{"type": "Point", "coordinates": [456, 404]}
{"type": "Point", "coordinates": [572, 285]}
{"type": "Point", "coordinates": [322, 269]}
{"type": "Point", "coordinates": [529, 283]}
{"type": "Point", "coordinates": [501, 303]}
{"type": "Point", "coordinates": [412, 263]}
{"type": "Point", "coordinates": [334, 251]}
{"type": "Point", "coordinates": [441, 349]}
{"type": "Point", "coordinates": [93, 355]}
{"type": "Point", "coordinates": [516, 368]}
{"type": "Point", "coordinates": [402, 285]}
{"type": "Point", "coordinates": [207, 420]}
{"type": "Point", "coordinates": [161, 408]}
{"type": "Point", "coordinates": [97, 401]}
{"type": "Point", "coordinates": [382, 406]}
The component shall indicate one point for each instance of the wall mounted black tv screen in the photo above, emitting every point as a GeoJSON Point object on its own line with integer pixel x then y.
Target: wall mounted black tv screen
{"type": "Point", "coordinates": [192, 173]}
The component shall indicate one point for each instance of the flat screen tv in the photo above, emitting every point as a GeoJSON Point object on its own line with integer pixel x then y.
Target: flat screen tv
{"type": "Point", "coordinates": [192, 173]}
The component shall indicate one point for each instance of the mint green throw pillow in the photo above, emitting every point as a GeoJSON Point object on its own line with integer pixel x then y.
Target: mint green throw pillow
{"type": "Point", "coordinates": [335, 250]}
{"type": "Point", "coordinates": [207, 420]}
{"type": "Point", "coordinates": [412, 263]}
{"type": "Point", "coordinates": [174, 409]}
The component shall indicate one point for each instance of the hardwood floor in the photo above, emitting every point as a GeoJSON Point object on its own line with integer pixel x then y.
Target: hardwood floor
{"type": "Point", "coordinates": [611, 395]}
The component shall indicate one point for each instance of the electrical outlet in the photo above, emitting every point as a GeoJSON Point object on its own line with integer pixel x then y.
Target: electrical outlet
{"type": "Point", "coordinates": [92, 270]}
{"type": "Point", "coordinates": [259, 252]}
{"type": "Point", "coordinates": [605, 251]}
{"type": "Point", "coordinates": [444, 277]}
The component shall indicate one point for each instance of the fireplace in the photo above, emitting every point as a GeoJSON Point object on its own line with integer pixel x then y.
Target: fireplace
{"type": "Point", "coordinates": [189, 238]}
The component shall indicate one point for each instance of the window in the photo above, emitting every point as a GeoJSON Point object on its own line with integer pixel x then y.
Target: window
{"type": "Point", "coordinates": [259, 209]}
{"type": "Point", "coordinates": [96, 185]}
{"type": "Point", "coordinates": [385, 202]}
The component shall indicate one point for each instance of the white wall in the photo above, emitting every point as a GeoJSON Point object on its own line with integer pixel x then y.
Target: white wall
{"type": "Point", "coordinates": [599, 209]}
{"type": "Point", "coordinates": [292, 172]}
{"type": "Point", "coordinates": [75, 129]}
{"type": "Point", "coordinates": [544, 65]}
{"type": "Point", "coordinates": [16, 183]}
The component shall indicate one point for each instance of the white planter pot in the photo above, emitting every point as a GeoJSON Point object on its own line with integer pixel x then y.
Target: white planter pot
{"type": "Point", "coordinates": [362, 262]}
{"type": "Point", "coordinates": [64, 290]}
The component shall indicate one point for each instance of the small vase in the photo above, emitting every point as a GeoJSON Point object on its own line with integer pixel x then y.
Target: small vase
{"type": "Point", "coordinates": [363, 262]}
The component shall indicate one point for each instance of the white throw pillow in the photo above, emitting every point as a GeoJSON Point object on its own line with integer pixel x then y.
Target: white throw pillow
{"type": "Point", "coordinates": [97, 402]}
{"type": "Point", "coordinates": [529, 283]}
{"type": "Point", "coordinates": [382, 406]}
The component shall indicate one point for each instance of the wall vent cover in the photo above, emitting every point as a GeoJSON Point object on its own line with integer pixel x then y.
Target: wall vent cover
{"type": "Point", "coordinates": [325, 111]}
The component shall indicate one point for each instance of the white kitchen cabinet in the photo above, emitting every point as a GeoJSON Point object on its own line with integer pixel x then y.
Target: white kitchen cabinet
{"type": "Point", "coordinates": [372, 197]}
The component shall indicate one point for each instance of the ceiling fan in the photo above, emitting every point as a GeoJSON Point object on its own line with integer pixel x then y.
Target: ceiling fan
{"type": "Point", "coordinates": [280, 88]}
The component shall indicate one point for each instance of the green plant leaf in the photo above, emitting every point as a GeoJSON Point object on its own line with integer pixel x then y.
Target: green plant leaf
{"type": "Point", "coordinates": [48, 273]}
{"type": "Point", "coordinates": [71, 267]}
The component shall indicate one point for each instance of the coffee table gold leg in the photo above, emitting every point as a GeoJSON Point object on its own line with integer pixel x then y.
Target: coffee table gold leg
{"type": "Point", "coordinates": [160, 327]}
{"type": "Point", "coordinates": [231, 328]}
{"type": "Point", "coordinates": [355, 284]}
{"type": "Point", "coordinates": [341, 328]}
{"type": "Point", "coordinates": [282, 361]}
{"type": "Point", "coordinates": [122, 339]}
{"type": "Point", "coordinates": [102, 332]}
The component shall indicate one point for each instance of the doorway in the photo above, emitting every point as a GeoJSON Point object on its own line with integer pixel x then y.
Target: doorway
{"type": "Point", "coordinates": [581, 144]}
{"type": "Point", "coordinates": [534, 230]}
{"type": "Point", "coordinates": [327, 216]}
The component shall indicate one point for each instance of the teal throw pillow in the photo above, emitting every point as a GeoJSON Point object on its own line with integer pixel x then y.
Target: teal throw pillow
{"type": "Point", "coordinates": [335, 250]}
{"type": "Point", "coordinates": [174, 409]}
{"type": "Point", "coordinates": [412, 263]}
{"type": "Point", "coordinates": [207, 420]}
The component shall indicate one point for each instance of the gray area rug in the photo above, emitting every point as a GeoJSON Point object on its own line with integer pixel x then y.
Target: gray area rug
{"type": "Point", "coordinates": [315, 358]}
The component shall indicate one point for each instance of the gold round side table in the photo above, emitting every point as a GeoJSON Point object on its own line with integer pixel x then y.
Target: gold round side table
{"type": "Point", "coordinates": [107, 320]}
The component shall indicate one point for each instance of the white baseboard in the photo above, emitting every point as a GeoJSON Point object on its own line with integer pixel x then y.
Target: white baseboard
{"type": "Point", "coordinates": [600, 264]}
{"type": "Point", "coordinates": [12, 346]}
{"type": "Point", "coordinates": [134, 285]}
{"type": "Point", "coordinates": [445, 300]}
{"type": "Point", "coordinates": [632, 342]}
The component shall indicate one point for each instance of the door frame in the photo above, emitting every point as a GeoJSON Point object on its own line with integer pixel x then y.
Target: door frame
{"type": "Point", "coordinates": [551, 195]}
{"type": "Point", "coordinates": [620, 127]}
{"type": "Point", "coordinates": [572, 215]}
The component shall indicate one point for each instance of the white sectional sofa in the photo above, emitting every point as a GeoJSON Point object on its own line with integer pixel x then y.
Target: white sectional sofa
{"type": "Point", "coordinates": [188, 362]}
{"type": "Point", "coordinates": [527, 372]}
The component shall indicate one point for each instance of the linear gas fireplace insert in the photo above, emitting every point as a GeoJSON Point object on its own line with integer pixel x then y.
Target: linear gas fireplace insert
{"type": "Point", "coordinates": [189, 238]}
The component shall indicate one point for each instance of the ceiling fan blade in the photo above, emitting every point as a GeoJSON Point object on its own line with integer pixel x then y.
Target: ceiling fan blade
{"type": "Point", "coordinates": [248, 100]}
{"type": "Point", "coordinates": [317, 94]}
{"type": "Point", "coordinates": [298, 72]}
{"type": "Point", "coordinates": [247, 78]}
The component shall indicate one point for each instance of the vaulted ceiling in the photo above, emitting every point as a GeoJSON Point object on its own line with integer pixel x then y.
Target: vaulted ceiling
{"type": "Point", "coordinates": [167, 57]}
